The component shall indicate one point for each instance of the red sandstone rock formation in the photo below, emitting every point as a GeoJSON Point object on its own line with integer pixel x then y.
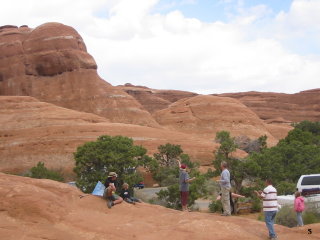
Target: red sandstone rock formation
{"type": "Point", "coordinates": [206, 115]}
{"type": "Point", "coordinates": [290, 107]}
{"type": "Point", "coordinates": [44, 209]}
{"type": "Point", "coordinates": [33, 131]}
{"type": "Point", "coordinates": [51, 63]}
{"type": "Point", "coordinates": [153, 99]}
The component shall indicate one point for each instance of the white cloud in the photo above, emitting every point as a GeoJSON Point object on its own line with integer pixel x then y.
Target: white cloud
{"type": "Point", "coordinates": [170, 51]}
{"type": "Point", "coordinates": [302, 21]}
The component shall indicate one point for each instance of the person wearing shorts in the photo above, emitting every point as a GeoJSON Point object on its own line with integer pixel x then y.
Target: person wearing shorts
{"type": "Point", "coordinates": [184, 181]}
{"type": "Point", "coordinates": [109, 192]}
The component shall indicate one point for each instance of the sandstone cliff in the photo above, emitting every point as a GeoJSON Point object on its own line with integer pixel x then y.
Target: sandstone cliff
{"type": "Point", "coordinates": [33, 209]}
{"type": "Point", "coordinates": [153, 99]}
{"type": "Point", "coordinates": [51, 63]}
{"type": "Point", "coordinates": [296, 107]}
{"type": "Point", "coordinates": [33, 131]}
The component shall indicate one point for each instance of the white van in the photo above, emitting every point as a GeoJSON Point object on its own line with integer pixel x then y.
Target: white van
{"type": "Point", "coordinates": [309, 184]}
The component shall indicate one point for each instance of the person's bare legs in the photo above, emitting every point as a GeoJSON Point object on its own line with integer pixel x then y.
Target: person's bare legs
{"type": "Point", "coordinates": [110, 203]}
{"type": "Point", "coordinates": [119, 200]}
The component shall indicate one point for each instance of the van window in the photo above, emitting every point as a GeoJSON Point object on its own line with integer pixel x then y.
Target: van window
{"type": "Point", "coordinates": [312, 180]}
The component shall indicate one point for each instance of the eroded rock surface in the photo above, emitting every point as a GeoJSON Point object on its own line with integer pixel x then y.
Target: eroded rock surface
{"type": "Point", "coordinates": [205, 115]}
{"type": "Point", "coordinates": [153, 99]}
{"type": "Point", "coordinates": [34, 131]}
{"type": "Point", "coordinates": [51, 63]}
{"type": "Point", "coordinates": [34, 209]}
{"type": "Point", "coordinates": [296, 107]}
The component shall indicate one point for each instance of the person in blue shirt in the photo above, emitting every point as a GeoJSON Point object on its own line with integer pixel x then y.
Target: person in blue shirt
{"type": "Point", "coordinates": [225, 189]}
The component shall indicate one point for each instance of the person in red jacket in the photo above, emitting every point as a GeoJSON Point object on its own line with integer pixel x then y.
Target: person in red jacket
{"type": "Point", "coordinates": [299, 207]}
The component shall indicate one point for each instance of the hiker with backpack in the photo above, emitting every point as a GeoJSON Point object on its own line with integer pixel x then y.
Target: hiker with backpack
{"type": "Point", "coordinates": [109, 192]}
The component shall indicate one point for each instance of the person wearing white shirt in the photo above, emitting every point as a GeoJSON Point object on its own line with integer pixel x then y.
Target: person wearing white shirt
{"type": "Point", "coordinates": [270, 206]}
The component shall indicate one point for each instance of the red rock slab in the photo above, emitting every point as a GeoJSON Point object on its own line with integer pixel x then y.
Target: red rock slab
{"type": "Point", "coordinates": [44, 209]}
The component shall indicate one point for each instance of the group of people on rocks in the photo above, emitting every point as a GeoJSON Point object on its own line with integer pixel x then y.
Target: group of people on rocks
{"type": "Point", "coordinates": [268, 196]}
{"type": "Point", "coordinates": [110, 192]}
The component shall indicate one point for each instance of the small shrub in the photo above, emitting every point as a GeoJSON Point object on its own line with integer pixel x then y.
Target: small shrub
{"type": "Point", "coordinates": [170, 179]}
{"type": "Point", "coordinates": [171, 196]}
{"type": "Point", "coordinates": [286, 217]}
{"type": "Point", "coordinates": [244, 200]}
{"type": "Point", "coordinates": [286, 188]}
{"type": "Point", "coordinates": [261, 216]}
{"type": "Point", "coordinates": [151, 201]}
{"type": "Point", "coordinates": [40, 171]}
{"type": "Point", "coordinates": [310, 217]}
{"type": "Point", "coordinates": [256, 204]}
{"type": "Point", "coordinates": [212, 187]}
{"type": "Point", "coordinates": [215, 206]}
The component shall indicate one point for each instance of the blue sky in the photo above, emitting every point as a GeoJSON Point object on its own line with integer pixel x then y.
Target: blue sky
{"type": "Point", "coordinates": [203, 46]}
{"type": "Point", "coordinates": [217, 10]}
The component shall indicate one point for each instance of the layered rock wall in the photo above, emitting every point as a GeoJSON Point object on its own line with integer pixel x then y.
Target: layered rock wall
{"type": "Point", "coordinates": [51, 63]}
{"type": "Point", "coordinates": [34, 131]}
{"type": "Point", "coordinates": [153, 99]}
{"type": "Point", "coordinates": [296, 107]}
{"type": "Point", "coordinates": [206, 115]}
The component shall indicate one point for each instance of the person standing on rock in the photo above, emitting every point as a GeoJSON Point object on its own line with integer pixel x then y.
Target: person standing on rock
{"type": "Point", "coordinates": [109, 192]}
{"type": "Point", "coordinates": [299, 207]}
{"type": "Point", "coordinates": [225, 189]}
{"type": "Point", "coordinates": [184, 181]}
{"type": "Point", "coordinates": [270, 206]}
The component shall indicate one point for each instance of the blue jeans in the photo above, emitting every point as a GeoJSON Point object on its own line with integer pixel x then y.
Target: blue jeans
{"type": "Point", "coordinates": [269, 219]}
{"type": "Point", "coordinates": [299, 218]}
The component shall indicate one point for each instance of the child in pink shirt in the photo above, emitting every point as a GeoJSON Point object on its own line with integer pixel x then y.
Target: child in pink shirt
{"type": "Point", "coordinates": [299, 207]}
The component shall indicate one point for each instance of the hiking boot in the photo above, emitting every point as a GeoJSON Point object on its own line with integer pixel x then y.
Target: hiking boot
{"type": "Point", "coordinates": [225, 214]}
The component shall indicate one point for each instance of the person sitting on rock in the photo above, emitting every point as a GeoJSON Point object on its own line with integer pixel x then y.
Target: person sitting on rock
{"type": "Point", "coordinates": [125, 194]}
{"type": "Point", "coordinates": [109, 192]}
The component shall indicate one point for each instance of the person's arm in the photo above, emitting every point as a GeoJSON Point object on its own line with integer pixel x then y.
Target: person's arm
{"type": "Point", "coordinates": [190, 180]}
{"type": "Point", "coordinates": [258, 193]}
{"type": "Point", "coordinates": [112, 187]}
{"type": "Point", "coordinates": [187, 178]}
{"type": "Point", "coordinates": [234, 195]}
{"type": "Point", "coordinates": [222, 181]}
{"type": "Point", "coordinates": [179, 163]}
